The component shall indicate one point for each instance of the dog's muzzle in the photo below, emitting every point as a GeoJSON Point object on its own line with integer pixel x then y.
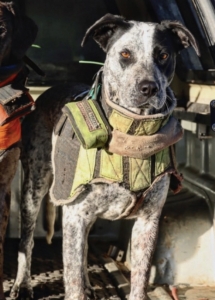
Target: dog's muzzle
{"type": "Point", "coordinates": [148, 88]}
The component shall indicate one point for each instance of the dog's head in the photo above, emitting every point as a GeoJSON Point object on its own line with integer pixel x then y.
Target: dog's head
{"type": "Point", "coordinates": [17, 33]}
{"type": "Point", "coordinates": [140, 61]}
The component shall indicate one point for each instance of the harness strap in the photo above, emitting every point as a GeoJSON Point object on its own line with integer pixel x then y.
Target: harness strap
{"type": "Point", "coordinates": [32, 64]}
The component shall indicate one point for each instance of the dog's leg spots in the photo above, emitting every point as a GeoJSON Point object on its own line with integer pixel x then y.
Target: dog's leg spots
{"type": "Point", "coordinates": [75, 235]}
{"type": "Point", "coordinates": [23, 278]}
{"type": "Point", "coordinates": [144, 235]}
{"type": "Point", "coordinates": [4, 208]}
{"type": "Point", "coordinates": [8, 165]}
{"type": "Point", "coordinates": [86, 277]}
{"type": "Point", "coordinates": [33, 192]}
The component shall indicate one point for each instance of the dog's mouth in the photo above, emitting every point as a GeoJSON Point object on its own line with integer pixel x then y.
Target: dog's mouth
{"type": "Point", "coordinates": [149, 109]}
{"type": "Point", "coordinates": [144, 106]}
{"type": "Point", "coordinates": [144, 109]}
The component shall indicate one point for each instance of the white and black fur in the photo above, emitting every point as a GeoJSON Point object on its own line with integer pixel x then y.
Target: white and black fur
{"type": "Point", "coordinates": [139, 83]}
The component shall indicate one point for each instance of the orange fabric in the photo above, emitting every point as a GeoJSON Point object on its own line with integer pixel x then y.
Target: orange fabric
{"type": "Point", "coordinates": [10, 134]}
{"type": "Point", "coordinates": [3, 114]}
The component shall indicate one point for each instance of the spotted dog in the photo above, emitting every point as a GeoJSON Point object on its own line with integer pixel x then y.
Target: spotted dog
{"type": "Point", "coordinates": [17, 33]}
{"type": "Point", "coordinates": [126, 171]}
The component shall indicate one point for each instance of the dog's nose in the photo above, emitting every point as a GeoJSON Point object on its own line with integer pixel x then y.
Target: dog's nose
{"type": "Point", "coordinates": [148, 88]}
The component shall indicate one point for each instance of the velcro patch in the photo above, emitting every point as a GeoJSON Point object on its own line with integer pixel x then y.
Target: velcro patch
{"type": "Point", "coordinates": [88, 122]}
{"type": "Point", "coordinates": [89, 115]}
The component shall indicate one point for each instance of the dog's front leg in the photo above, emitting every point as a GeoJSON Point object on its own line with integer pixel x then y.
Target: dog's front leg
{"type": "Point", "coordinates": [143, 241]}
{"type": "Point", "coordinates": [76, 228]}
{"type": "Point", "coordinates": [144, 236]}
{"type": "Point", "coordinates": [35, 188]}
{"type": "Point", "coordinates": [22, 284]}
{"type": "Point", "coordinates": [4, 209]}
{"type": "Point", "coordinates": [8, 165]}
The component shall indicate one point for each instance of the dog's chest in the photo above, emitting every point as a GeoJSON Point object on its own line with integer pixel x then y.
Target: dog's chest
{"type": "Point", "coordinates": [113, 201]}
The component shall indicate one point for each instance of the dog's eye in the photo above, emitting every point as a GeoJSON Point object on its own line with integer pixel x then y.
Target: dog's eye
{"type": "Point", "coordinates": [163, 56]}
{"type": "Point", "coordinates": [2, 30]}
{"type": "Point", "coordinates": [126, 54]}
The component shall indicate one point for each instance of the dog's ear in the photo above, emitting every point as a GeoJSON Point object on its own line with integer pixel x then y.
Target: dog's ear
{"type": "Point", "coordinates": [184, 36]}
{"type": "Point", "coordinates": [24, 30]}
{"type": "Point", "coordinates": [103, 30]}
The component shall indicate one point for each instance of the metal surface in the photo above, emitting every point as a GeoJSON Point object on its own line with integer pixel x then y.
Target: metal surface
{"type": "Point", "coordinates": [193, 117]}
{"type": "Point", "coordinates": [212, 111]}
{"type": "Point", "coordinates": [192, 21]}
{"type": "Point", "coordinates": [201, 293]}
{"type": "Point", "coordinates": [186, 244]}
{"type": "Point", "coordinates": [206, 15]}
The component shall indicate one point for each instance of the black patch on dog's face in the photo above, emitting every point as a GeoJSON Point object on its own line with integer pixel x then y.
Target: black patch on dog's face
{"type": "Point", "coordinates": [164, 45]}
{"type": "Point", "coordinates": [114, 38]}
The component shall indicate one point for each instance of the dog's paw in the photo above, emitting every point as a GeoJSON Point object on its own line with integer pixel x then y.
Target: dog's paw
{"type": "Point", "coordinates": [14, 292]}
{"type": "Point", "coordinates": [22, 294]}
{"type": "Point", "coordinates": [89, 294]}
{"type": "Point", "coordinates": [26, 294]}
